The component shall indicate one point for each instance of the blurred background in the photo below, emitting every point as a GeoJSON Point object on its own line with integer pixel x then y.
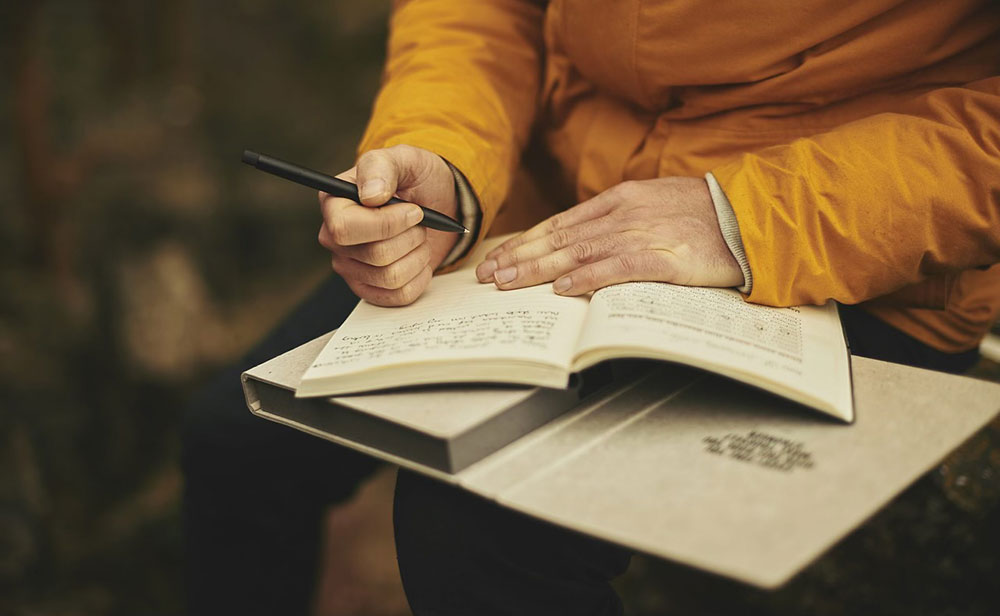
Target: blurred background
{"type": "Point", "coordinates": [138, 256]}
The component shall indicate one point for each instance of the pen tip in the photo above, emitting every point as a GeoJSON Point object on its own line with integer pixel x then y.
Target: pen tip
{"type": "Point", "coordinates": [250, 157]}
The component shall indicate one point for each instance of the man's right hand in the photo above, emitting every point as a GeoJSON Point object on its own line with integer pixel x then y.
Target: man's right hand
{"type": "Point", "coordinates": [381, 252]}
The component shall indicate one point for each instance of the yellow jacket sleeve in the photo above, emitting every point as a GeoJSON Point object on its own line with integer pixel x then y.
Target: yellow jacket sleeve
{"type": "Point", "coordinates": [462, 80]}
{"type": "Point", "coordinates": [874, 205]}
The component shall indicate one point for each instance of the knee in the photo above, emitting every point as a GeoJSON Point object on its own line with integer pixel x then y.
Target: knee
{"type": "Point", "coordinates": [430, 532]}
{"type": "Point", "coordinates": [223, 443]}
{"type": "Point", "coordinates": [431, 521]}
{"type": "Point", "coordinates": [212, 424]}
{"type": "Point", "coordinates": [458, 552]}
{"type": "Point", "coordinates": [229, 453]}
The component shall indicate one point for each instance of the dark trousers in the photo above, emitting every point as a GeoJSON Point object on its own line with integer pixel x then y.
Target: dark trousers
{"type": "Point", "coordinates": [255, 493]}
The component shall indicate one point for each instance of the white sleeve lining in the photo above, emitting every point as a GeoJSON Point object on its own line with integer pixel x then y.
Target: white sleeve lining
{"type": "Point", "coordinates": [730, 230]}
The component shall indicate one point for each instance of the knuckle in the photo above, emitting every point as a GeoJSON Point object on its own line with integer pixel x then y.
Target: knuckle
{"type": "Point", "coordinates": [337, 229]}
{"type": "Point", "coordinates": [422, 254]}
{"type": "Point", "coordinates": [407, 294]}
{"type": "Point", "coordinates": [585, 278]}
{"type": "Point", "coordinates": [559, 238]}
{"type": "Point", "coordinates": [507, 259]}
{"type": "Point", "coordinates": [379, 253]}
{"type": "Point", "coordinates": [668, 268]}
{"type": "Point", "coordinates": [337, 265]}
{"type": "Point", "coordinates": [370, 157]}
{"type": "Point", "coordinates": [641, 212]}
{"type": "Point", "coordinates": [425, 252]}
{"type": "Point", "coordinates": [412, 155]}
{"type": "Point", "coordinates": [623, 243]}
{"type": "Point", "coordinates": [410, 239]}
{"type": "Point", "coordinates": [402, 149]}
{"type": "Point", "coordinates": [625, 239]}
{"type": "Point", "coordinates": [386, 226]}
{"type": "Point", "coordinates": [391, 276]}
{"type": "Point", "coordinates": [627, 262]}
{"type": "Point", "coordinates": [623, 190]}
{"type": "Point", "coordinates": [380, 297]}
{"type": "Point", "coordinates": [359, 290]}
{"type": "Point", "coordinates": [401, 154]}
{"type": "Point", "coordinates": [532, 268]}
{"type": "Point", "coordinates": [582, 252]}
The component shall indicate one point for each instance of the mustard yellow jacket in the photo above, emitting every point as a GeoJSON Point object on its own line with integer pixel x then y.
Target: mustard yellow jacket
{"type": "Point", "coordinates": [858, 142]}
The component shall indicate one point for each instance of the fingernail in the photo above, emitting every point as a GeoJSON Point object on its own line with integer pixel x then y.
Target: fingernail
{"type": "Point", "coordinates": [486, 269]}
{"type": "Point", "coordinates": [505, 275]}
{"type": "Point", "coordinates": [414, 216]}
{"type": "Point", "coordinates": [372, 188]}
{"type": "Point", "coordinates": [562, 284]}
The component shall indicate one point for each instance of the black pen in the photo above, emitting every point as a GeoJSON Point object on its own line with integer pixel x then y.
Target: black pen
{"type": "Point", "coordinates": [339, 188]}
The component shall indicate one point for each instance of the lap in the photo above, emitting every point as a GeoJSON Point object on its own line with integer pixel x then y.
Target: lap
{"type": "Point", "coordinates": [458, 552]}
{"type": "Point", "coordinates": [225, 447]}
{"type": "Point", "coordinates": [255, 491]}
{"type": "Point", "coordinates": [462, 554]}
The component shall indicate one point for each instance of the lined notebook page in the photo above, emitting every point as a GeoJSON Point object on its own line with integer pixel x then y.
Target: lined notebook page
{"type": "Point", "coordinates": [801, 348]}
{"type": "Point", "coordinates": [457, 319]}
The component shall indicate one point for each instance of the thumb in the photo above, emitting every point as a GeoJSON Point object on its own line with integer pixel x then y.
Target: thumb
{"type": "Point", "coordinates": [378, 177]}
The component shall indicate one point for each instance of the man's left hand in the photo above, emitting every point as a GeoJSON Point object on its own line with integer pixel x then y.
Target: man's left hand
{"type": "Point", "coordinates": [664, 230]}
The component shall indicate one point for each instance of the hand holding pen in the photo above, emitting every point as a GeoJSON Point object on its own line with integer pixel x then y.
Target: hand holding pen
{"type": "Point", "coordinates": [383, 250]}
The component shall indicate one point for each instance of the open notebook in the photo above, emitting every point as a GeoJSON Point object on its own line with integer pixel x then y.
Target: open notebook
{"type": "Point", "coordinates": [461, 331]}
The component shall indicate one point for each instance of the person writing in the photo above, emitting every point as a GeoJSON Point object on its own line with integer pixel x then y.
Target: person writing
{"type": "Point", "coordinates": [831, 151]}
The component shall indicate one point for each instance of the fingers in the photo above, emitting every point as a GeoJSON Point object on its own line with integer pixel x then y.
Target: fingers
{"type": "Point", "coordinates": [575, 238]}
{"type": "Point", "coordinates": [626, 267]}
{"type": "Point", "coordinates": [378, 249]}
{"type": "Point", "coordinates": [406, 294]}
{"type": "Point", "coordinates": [392, 276]}
{"type": "Point", "coordinates": [588, 210]}
{"type": "Point", "coordinates": [349, 224]}
{"type": "Point", "coordinates": [380, 253]}
{"type": "Point", "coordinates": [536, 271]}
{"type": "Point", "coordinates": [550, 266]}
{"type": "Point", "coordinates": [664, 229]}
{"type": "Point", "coordinates": [381, 172]}
{"type": "Point", "coordinates": [390, 272]}
{"type": "Point", "coordinates": [378, 177]}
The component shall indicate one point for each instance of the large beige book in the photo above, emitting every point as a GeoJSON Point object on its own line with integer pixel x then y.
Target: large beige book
{"type": "Point", "coordinates": [682, 464]}
{"type": "Point", "coordinates": [462, 331]}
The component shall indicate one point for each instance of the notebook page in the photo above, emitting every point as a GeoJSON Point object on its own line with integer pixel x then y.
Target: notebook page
{"type": "Point", "coordinates": [457, 319]}
{"type": "Point", "coordinates": [799, 348]}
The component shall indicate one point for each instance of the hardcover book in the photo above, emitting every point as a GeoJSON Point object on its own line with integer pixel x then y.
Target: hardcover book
{"type": "Point", "coordinates": [672, 461]}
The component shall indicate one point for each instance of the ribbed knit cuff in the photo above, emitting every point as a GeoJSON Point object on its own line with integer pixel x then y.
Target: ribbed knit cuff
{"type": "Point", "coordinates": [470, 214]}
{"type": "Point", "coordinates": [730, 230]}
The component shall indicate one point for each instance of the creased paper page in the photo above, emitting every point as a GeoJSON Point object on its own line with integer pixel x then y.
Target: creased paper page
{"type": "Point", "coordinates": [800, 349]}
{"type": "Point", "coordinates": [457, 319]}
